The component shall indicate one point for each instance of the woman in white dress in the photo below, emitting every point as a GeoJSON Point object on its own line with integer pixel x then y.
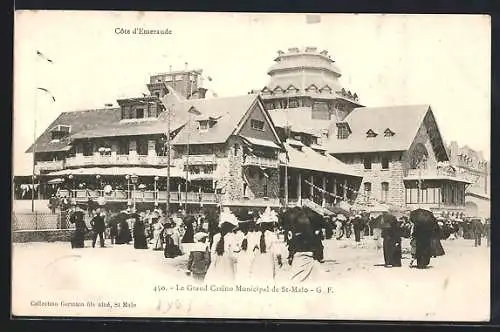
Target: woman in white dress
{"type": "Point", "coordinates": [157, 236]}
{"type": "Point", "coordinates": [267, 254]}
{"type": "Point", "coordinates": [222, 268]}
{"type": "Point", "coordinates": [248, 240]}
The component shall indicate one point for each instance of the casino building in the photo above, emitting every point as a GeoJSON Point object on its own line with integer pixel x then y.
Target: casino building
{"type": "Point", "coordinates": [302, 139]}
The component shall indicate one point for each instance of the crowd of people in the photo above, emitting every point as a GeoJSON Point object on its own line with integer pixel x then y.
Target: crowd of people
{"type": "Point", "coordinates": [224, 246]}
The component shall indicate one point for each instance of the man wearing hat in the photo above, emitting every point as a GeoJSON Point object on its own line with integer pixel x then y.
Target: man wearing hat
{"type": "Point", "coordinates": [98, 228]}
{"type": "Point", "coordinates": [357, 225]}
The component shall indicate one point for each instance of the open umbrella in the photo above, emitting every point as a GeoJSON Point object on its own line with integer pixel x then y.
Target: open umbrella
{"type": "Point", "coordinates": [423, 219]}
{"type": "Point", "coordinates": [385, 220]}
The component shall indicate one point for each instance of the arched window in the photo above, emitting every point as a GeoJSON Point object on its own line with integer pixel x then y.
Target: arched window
{"type": "Point", "coordinates": [367, 191]}
{"type": "Point", "coordinates": [385, 192]}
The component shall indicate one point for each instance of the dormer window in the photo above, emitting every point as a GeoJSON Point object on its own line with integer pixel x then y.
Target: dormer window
{"type": "Point", "coordinates": [297, 144]}
{"type": "Point", "coordinates": [60, 131]}
{"type": "Point", "coordinates": [326, 88]}
{"type": "Point", "coordinates": [266, 91]}
{"type": "Point", "coordinates": [370, 133]}
{"type": "Point", "coordinates": [312, 88]}
{"type": "Point", "coordinates": [203, 125]}
{"type": "Point", "coordinates": [292, 89]}
{"type": "Point", "coordinates": [343, 130]}
{"type": "Point", "coordinates": [278, 89]}
{"type": "Point", "coordinates": [388, 133]}
{"type": "Point", "coordinates": [257, 124]}
{"type": "Point", "coordinates": [193, 110]}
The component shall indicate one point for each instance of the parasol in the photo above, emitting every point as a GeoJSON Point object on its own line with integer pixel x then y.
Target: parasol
{"type": "Point", "coordinates": [423, 219]}
{"type": "Point", "coordinates": [385, 220]}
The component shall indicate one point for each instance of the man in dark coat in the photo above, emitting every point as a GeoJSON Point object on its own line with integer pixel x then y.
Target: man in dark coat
{"type": "Point", "coordinates": [477, 229]}
{"type": "Point", "coordinates": [78, 237]}
{"type": "Point", "coordinates": [392, 241]}
{"type": "Point", "coordinates": [357, 225]}
{"type": "Point", "coordinates": [98, 228]}
{"type": "Point", "coordinates": [53, 204]}
{"type": "Point", "coordinates": [487, 231]}
{"type": "Point", "coordinates": [422, 235]}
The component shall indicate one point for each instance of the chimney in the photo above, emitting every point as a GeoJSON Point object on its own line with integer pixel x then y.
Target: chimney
{"type": "Point", "coordinates": [324, 52]}
{"type": "Point", "coordinates": [311, 49]}
{"type": "Point", "coordinates": [293, 50]}
{"type": "Point", "coordinates": [185, 66]}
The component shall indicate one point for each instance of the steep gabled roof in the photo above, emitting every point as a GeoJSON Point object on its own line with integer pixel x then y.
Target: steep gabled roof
{"type": "Point", "coordinates": [79, 121]}
{"type": "Point", "coordinates": [133, 127]}
{"type": "Point", "coordinates": [229, 112]}
{"type": "Point", "coordinates": [404, 121]}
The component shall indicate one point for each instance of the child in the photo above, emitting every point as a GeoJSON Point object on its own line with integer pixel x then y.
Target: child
{"type": "Point", "coordinates": [199, 257]}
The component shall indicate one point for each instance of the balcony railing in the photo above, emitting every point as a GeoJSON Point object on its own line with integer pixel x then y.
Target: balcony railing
{"type": "Point", "coordinates": [261, 162]}
{"type": "Point", "coordinates": [116, 160]}
{"type": "Point", "coordinates": [140, 196]}
{"type": "Point", "coordinates": [429, 172]}
{"type": "Point", "coordinates": [201, 176]}
{"type": "Point", "coordinates": [55, 165]}
{"type": "Point", "coordinates": [200, 159]}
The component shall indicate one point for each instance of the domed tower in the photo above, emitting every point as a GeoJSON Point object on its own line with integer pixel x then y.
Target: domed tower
{"type": "Point", "coordinates": [307, 78]}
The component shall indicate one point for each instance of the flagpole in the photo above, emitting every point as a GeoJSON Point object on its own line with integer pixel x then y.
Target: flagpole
{"type": "Point", "coordinates": [35, 110]}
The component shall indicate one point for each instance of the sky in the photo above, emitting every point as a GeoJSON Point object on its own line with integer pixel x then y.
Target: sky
{"type": "Point", "coordinates": [441, 60]}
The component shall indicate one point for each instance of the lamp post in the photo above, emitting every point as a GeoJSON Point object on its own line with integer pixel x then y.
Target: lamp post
{"type": "Point", "coordinates": [73, 192]}
{"type": "Point", "coordinates": [128, 187]}
{"type": "Point", "coordinates": [156, 178]}
{"type": "Point", "coordinates": [134, 179]}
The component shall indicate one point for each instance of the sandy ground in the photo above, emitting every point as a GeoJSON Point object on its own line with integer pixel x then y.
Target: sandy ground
{"type": "Point", "coordinates": [140, 283]}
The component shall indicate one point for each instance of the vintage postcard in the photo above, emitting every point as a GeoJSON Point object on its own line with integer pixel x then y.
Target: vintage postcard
{"type": "Point", "coordinates": [251, 165]}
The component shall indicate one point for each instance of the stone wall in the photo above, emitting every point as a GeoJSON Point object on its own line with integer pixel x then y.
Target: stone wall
{"type": "Point", "coordinates": [63, 235]}
{"type": "Point", "coordinates": [376, 175]}
{"type": "Point", "coordinates": [233, 176]}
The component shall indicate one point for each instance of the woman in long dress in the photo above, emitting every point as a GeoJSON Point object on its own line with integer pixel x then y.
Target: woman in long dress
{"type": "Point", "coordinates": [139, 231]}
{"type": "Point", "coordinates": [123, 230]}
{"type": "Point", "coordinates": [222, 268]}
{"type": "Point", "coordinates": [248, 240]}
{"type": "Point", "coordinates": [301, 246]}
{"type": "Point", "coordinates": [172, 240]}
{"type": "Point", "coordinates": [267, 255]}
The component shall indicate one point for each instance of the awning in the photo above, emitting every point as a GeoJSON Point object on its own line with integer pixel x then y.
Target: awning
{"type": "Point", "coordinates": [308, 159]}
{"type": "Point", "coordinates": [122, 171]}
{"type": "Point", "coordinates": [55, 181]}
{"type": "Point", "coordinates": [261, 142]}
